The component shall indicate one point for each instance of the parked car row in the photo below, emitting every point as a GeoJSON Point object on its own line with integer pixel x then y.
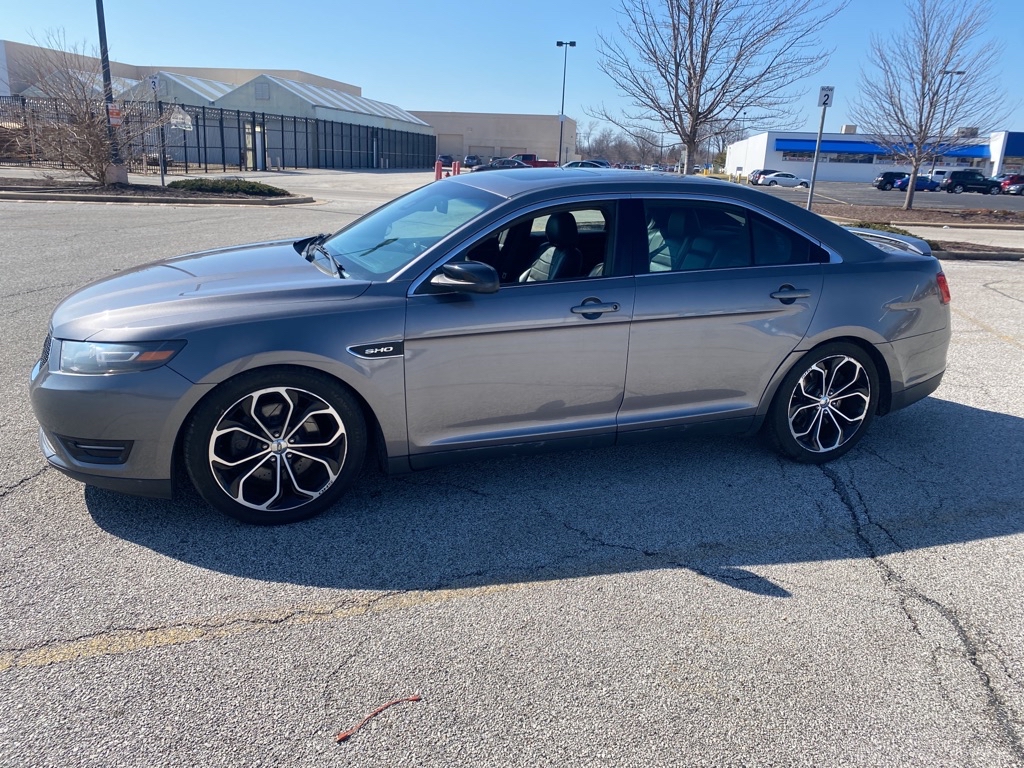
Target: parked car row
{"type": "Point", "coordinates": [501, 163]}
{"type": "Point", "coordinates": [954, 182]}
{"type": "Point", "coordinates": [470, 161]}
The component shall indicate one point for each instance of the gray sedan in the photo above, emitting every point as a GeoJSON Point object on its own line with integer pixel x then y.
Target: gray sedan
{"type": "Point", "coordinates": [484, 315]}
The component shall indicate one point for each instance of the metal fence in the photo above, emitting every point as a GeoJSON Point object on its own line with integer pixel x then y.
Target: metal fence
{"type": "Point", "coordinates": [204, 139]}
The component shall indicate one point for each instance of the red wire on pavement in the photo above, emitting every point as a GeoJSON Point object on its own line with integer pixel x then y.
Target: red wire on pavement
{"type": "Point", "coordinates": [344, 735]}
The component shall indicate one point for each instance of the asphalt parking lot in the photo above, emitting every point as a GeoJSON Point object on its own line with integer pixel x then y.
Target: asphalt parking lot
{"type": "Point", "coordinates": [698, 603]}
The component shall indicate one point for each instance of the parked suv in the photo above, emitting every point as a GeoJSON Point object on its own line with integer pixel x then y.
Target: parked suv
{"type": "Point", "coordinates": [888, 179]}
{"type": "Point", "coordinates": [754, 176]}
{"type": "Point", "coordinates": [969, 181]}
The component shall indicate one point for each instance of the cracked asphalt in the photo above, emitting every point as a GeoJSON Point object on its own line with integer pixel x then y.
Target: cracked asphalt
{"type": "Point", "coordinates": [697, 603]}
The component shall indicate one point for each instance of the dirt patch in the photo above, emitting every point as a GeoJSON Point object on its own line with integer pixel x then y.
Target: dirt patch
{"type": "Point", "coordinates": [951, 246]}
{"type": "Point", "coordinates": [923, 216]}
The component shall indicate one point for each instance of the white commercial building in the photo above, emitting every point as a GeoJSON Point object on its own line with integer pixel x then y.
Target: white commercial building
{"type": "Point", "coordinates": [849, 157]}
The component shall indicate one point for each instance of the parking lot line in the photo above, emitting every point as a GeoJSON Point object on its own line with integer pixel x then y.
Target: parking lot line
{"type": "Point", "coordinates": [122, 641]}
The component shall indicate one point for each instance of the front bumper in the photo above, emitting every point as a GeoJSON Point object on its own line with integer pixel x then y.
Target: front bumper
{"type": "Point", "coordinates": [142, 411]}
{"type": "Point", "coordinates": [161, 489]}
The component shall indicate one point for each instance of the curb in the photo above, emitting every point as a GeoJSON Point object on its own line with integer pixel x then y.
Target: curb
{"type": "Point", "coordinates": [955, 225]}
{"type": "Point", "coordinates": [931, 224]}
{"type": "Point", "coordinates": [151, 200]}
{"type": "Point", "coordinates": [978, 255]}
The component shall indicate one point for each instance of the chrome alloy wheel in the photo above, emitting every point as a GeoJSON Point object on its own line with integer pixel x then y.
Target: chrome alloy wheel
{"type": "Point", "coordinates": [277, 449]}
{"type": "Point", "coordinates": [829, 403]}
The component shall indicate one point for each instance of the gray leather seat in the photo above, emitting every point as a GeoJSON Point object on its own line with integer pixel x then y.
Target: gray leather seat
{"type": "Point", "coordinates": [559, 257]}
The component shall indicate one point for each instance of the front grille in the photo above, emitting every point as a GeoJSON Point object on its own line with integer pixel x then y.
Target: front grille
{"type": "Point", "coordinates": [44, 358]}
{"type": "Point", "coordinates": [97, 451]}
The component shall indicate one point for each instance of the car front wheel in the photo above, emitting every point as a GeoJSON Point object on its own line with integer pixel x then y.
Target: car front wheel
{"type": "Point", "coordinates": [275, 446]}
{"type": "Point", "coordinates": [993, 190]}
{"type": "Point", "coordinates": [803, 184]}
{"type": "Point", "coordinates": [824, 404]}
{"type": "Point", "coordinates": [886, 187]}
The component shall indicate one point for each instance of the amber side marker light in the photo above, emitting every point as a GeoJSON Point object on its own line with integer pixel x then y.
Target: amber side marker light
{"type": "Point", "coordinates": [160, 355]}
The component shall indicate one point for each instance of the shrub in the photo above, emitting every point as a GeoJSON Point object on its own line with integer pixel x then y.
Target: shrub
{"type": "Point", "coordinates": [881, 227]}
{"type": "Point", "coordinates": [229, 186]}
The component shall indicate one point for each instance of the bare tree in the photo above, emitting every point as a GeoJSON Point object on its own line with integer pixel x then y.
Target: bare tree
{"type": "Point", "coordinates": [646, 143]}
{"type": "Point", "coordinates": [688, 66]}
{"type": "Point", "coordinates": [69, 122]}
{"type": "Point", "coordinates": [584, 137]}
{"type": "Point", "coordinates": [601, 143]}
{"type": "Point", "coordinates": [912, 103]}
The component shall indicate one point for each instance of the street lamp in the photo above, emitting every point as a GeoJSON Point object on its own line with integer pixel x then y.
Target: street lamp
{"type": "Point", "coordinates": [567, 44]}
{"type": "Point", "coordinates": [945, 106]}
{"type": "Point", "coordinates": [117, 172]}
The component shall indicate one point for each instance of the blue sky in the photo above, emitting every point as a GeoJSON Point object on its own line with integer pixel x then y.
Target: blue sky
{"type": "Point", "coordinates": [449, 55]}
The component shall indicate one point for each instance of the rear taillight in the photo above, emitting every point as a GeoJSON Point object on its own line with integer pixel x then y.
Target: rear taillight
{"type": "Point", "coordinates": [944, 296]}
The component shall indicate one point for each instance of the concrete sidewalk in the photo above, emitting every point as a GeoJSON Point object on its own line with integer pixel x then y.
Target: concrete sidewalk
{"type": "Point", "coordinates": [1000, 238]}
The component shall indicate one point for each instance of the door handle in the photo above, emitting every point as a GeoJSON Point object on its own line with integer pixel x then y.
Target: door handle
{"type": "Point", "coordinates": [593, 308]}
{"type": "Point", "coordinates": [787, 294]}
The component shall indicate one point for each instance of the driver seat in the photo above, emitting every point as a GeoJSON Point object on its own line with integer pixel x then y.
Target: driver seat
{"type": "Point", "coordinates": [559, 257]}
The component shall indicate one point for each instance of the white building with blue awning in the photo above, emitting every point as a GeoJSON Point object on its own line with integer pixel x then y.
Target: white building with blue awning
{"type": "Point", "coordinates": [849, 157]}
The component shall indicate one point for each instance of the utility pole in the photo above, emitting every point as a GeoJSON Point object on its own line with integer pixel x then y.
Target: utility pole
{"type": "Point", "coordinates": [116, 173]}
{"type": "Point", "coordinates": [567, 44]}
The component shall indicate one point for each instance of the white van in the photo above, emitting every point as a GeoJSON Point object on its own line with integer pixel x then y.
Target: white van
{"type": "Point", "coordinates": [938, 174]}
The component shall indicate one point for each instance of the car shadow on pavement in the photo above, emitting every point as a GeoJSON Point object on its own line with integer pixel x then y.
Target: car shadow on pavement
{"type": "Point", "coordinates": [936, 474]}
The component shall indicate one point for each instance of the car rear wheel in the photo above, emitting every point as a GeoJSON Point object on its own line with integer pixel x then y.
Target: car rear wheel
{"type": "Point", "coordinates": [773, 183]}
{"type": "Point", "coordinates": [824, 404]}
{"type": "Point", "coordinates": [275, 446]}
{"type": "Point", "coordinates": [958, 188]}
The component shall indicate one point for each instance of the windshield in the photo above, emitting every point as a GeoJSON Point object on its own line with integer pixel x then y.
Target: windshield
{"type": "Point", "coordinates": [379, 244]}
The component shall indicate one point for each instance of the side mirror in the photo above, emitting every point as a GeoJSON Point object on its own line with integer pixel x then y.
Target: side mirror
{"type": "Point", "coordinates": [468, 277]}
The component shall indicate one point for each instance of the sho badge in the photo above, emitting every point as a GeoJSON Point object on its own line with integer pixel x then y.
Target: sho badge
{"type": "Point", "coordinates": [383, 349]}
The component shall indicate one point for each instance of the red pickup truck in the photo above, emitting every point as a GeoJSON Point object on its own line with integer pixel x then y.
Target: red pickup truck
{"type": "Point", "coordinates": [532, 160]}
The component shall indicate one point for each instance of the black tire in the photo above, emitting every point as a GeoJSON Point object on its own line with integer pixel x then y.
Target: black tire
{"type": "Point", "coordinates": [887, 186]}
{"type": "Point", "coordinates": [958, 188]}
{"type": "Point", "coordinates": [773, 183]}
{"type": "Point", "coordinates": [803, 184]}
{"type": "Point", "coordinates": [275, 446]}
{"type": "Point", "coordinates": [994, 190]}
{"type": "Point", "coordinates": [808, 424]}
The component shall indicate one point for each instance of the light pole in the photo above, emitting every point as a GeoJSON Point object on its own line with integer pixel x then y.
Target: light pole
{"type": "Point", "coordinates": [945, 106]}
{"type": "Point", "coordinates": [567, 44]}
{"type": "Point", "coordinates": [116, 173]}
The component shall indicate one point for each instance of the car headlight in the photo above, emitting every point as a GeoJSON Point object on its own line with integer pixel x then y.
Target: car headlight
{"type": "Point", "coordinates": [92, 357]}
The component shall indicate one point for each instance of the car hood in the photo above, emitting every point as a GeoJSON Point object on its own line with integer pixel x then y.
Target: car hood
{"type": "Point", "coordinates": [167, 298]}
